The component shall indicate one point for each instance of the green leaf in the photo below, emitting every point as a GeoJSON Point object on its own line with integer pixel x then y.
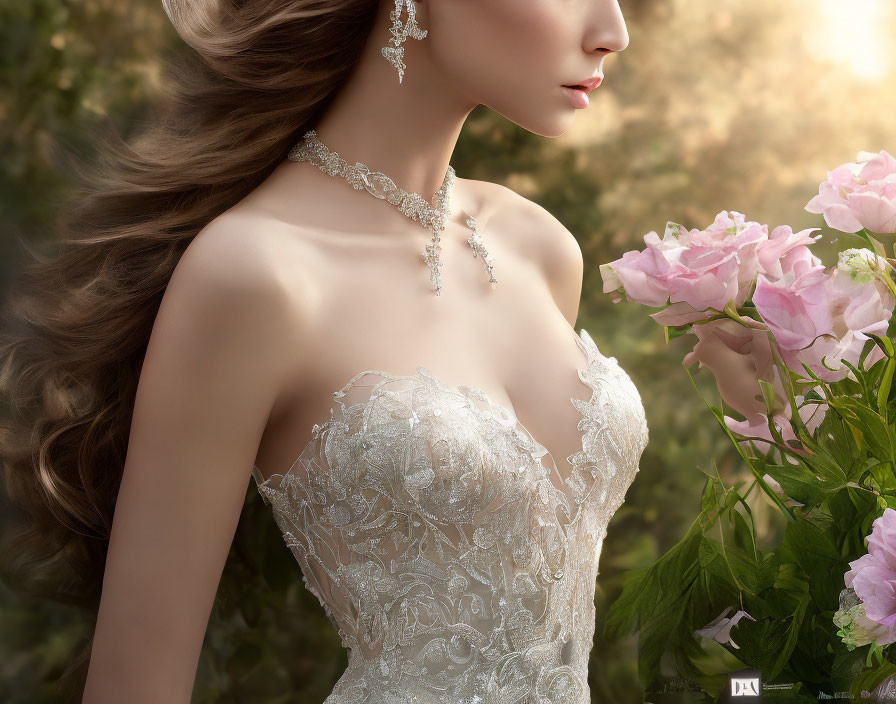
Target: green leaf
{"type": "Point", "coordinates": [882, 472]}
{"type": "Point", "coordinates": [768, 396]}
{"type": "Point", "coordinates": [848, 664]}
{"type": "Point", "coordinates": [873, 428]}
{"type": "Point", "coordinates": [730, 563]}
{"type": "Point", "coordinates": [790, 586]}
{"type": "Point", "coordinates": [818, 557]}
{"type": "Point", "coordinates": [656, 632]}
{"type": "Point", "coordinates": [885, 343]}
{"type": "Point", "coordinates": [743, 533]}
{"type": "Point", "coordinates": [672, 331]}
{"type": "Point", "coordinates": [876, 245]}
{"type": "Point", "coordinates": [654, 599]}
{"type": "Point", "coordinates": [835, 438]}
{"type": "Point", "coordinates": [767, 643]}
{"type": "Point", "coordinates": [649, 589]}
{"type": "Point", "coordinates": [802, 485]}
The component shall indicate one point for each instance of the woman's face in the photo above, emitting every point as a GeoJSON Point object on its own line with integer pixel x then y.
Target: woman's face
{"type": "Point", "coordinates": [515, 56]}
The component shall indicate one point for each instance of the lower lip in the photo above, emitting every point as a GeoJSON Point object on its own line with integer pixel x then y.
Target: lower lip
{"type": "Point", "coordinates": [577, 96]}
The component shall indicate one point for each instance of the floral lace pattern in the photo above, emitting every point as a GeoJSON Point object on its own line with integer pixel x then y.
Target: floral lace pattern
{"type": "Point", "coordinates": [456, 566]}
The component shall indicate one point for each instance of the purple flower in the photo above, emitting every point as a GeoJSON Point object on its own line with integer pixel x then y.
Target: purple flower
{"type": "Point", "coordinates": [873, 575]}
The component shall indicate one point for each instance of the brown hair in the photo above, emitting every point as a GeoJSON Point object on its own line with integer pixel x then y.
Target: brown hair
{"type": "Point", "coordinates": [75, 325]}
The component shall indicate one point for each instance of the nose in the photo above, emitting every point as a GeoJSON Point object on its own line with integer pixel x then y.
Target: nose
{"type": "Point", "coordinates": [606, 25]}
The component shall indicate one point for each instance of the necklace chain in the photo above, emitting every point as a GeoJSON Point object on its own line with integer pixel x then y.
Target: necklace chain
{"type": "Point", "coordinates": [432, 216]}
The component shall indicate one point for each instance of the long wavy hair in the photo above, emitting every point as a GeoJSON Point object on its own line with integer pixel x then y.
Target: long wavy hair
{"type": "Point", "coordinates": [75, 323]}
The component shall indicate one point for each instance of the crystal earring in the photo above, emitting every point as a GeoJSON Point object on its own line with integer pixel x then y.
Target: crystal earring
{"type": "Point", "coordinates": [400, 32]}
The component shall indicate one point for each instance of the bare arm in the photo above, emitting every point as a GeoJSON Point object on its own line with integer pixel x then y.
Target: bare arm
{"type": "Point", "coordinates": [216, 362]}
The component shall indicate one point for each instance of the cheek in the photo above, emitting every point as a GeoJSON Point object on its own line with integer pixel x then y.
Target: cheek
{"type": "Point", "coordinates": [504, 42]}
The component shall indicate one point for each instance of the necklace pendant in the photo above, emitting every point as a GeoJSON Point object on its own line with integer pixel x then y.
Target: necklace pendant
{"type": "Point", "coordinates": [475, 242]}
{"type": "Point", "coordinates": [431, 215]}
{"type": "Point", "coordinates": [431, 257]}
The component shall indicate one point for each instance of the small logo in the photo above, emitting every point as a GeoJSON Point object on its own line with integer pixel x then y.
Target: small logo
{"type": "Point", "coordinates": [744, 686]}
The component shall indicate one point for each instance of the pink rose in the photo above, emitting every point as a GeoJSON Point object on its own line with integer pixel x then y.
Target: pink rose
{"type": "Point", "coordinates": [679, 314]}
{"type": "Point", "coordinates": [718, 264]}
{"type": "Point", "coordinates": [859, 195]}
{"type": "Point", "coordinates": [700, 269]}
{"type": "Point", "coordinates": [795, 307]}
{"type": "Point", "coordinates": [783, 248]}
{"type": "Point", "coordinates": [857, 308]}
{"type": "Point", "coordinates": [642, 275]}
{"type": "Point", "coordinates": [821, 318]}
{"type": "Point", "coordinates": [873, 575]}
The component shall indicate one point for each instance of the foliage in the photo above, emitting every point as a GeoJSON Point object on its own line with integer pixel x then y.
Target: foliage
{"type": "Point", "coordinates": [837, 477]}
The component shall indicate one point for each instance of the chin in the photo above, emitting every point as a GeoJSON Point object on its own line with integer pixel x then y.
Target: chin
{"type": "Point", "coordinates": [555, 125]}
{"type": "Point", "coordinates": [544, 124]}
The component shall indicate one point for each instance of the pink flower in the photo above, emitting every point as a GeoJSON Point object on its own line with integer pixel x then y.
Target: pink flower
{"type": "Point", "coordinates": [859, 195]}
{"type": "Point", "coordinates": [641, 275]}
{"type": "Point", "coordinates": [679, 314]}
{"type": "Point", "coordinates": [718, 264]}
{"type": "Point", "coordinates": [783, 248]}
{"type": "Point", "coordinates": [873, 575]}
{"type": "Point", "coordinates": [795, 307]}
{"type": "Point", "coordinates": [853, 625]}
{"type": "Point", "coordinates": [700, 269]}
{"type": "Point", "coordinates": [857, 307]}
{"type": "Point", "coordinates": [821, 318]}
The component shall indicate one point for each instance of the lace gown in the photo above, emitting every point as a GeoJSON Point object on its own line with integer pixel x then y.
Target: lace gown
{"type": "Point", "coordinates": [457, 565]}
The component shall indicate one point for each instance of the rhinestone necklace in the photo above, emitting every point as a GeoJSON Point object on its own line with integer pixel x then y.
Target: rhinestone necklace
{"type": "Point", "coordinates": [432, 216]}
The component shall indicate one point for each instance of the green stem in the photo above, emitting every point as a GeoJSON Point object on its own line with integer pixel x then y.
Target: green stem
{"type": "Point", "coordinates": [732, 312]}
{"type": "Point", "coordinates": [786, 382]}
{"type": "Point", "coordinates": [883, 391]}
{"type": "Point", "coordinates": [747, 460]}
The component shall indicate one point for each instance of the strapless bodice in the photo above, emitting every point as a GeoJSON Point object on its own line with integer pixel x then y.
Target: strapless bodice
{"type": "Point", "coordinates": [458, 565]}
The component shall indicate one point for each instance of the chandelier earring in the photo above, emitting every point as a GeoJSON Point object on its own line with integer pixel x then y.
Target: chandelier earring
{"type": "Point", "coordinates": [400, 32]}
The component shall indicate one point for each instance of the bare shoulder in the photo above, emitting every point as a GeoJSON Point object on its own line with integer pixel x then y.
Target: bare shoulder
{"type": "Point", "coordinates": [541, 238]}
{"type": "Point", "coordinates": [234, 274]}
{"type": "Point", "coordinates": [248, 252]}
{"type": "Point", "coordinates": [237, 250]}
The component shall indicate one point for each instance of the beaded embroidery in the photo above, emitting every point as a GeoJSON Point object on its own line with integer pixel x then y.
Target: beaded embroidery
{"type": "Point", "coordinates": [455, 565]}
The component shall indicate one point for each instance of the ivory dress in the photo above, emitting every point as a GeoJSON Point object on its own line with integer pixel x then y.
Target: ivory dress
{"type": "Point", "coordinates": [457, 565]}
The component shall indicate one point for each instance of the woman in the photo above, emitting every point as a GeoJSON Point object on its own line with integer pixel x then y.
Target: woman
{"type": "Point", "coordinates": [440, 449]}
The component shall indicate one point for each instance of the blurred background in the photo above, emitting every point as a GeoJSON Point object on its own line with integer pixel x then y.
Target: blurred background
{"type": "Point", "coordinates": [715, 105]}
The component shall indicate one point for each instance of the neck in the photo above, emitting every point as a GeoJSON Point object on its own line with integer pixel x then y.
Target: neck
{"type": "Point", "coordinates": [406, 130]}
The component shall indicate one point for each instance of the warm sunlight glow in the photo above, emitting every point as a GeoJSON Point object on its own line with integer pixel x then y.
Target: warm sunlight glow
{"type": "Point", "coordinates": [855, 33]}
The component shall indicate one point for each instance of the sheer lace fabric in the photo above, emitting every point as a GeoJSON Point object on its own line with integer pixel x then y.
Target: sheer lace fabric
{"type": "Point", "coordinates": [457, 565]}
